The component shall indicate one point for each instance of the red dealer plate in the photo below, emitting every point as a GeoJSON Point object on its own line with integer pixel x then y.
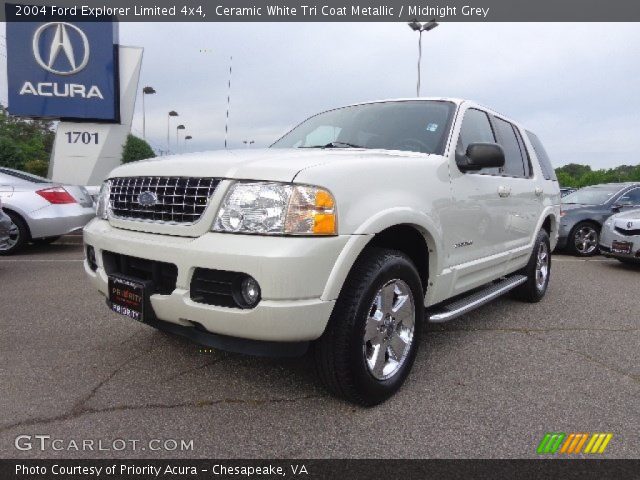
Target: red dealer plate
{"type": "Point", "coordinates": [127, 297]}
{"type": "Point", "coordinates": [621, 247]}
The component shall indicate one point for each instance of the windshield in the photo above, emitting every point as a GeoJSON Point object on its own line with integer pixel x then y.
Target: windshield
{"type": "Point", "coordinates": [414, 126]}
{"type": "Point", "coordinates": [592, 195]}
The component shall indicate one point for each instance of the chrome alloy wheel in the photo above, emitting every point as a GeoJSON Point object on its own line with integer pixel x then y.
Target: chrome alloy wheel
{"type": "Point", "coordinates": [542, 266]}
{"type": "Point", "coordinates": [389, 329]}
{"type": "Point", "coordinates": [586, 240]}
{"type": "Point", "coordinates": [12, 239]}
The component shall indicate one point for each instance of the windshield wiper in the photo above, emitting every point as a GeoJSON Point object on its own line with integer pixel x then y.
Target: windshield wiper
{"type": "Point", "coordinates": [335, 145]}
{"type": "Point", "coordinates": [342, 144]}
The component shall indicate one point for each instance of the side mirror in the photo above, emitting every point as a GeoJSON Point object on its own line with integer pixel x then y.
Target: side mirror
{"type": "Point", "coordinates": [616, 207]}
{"type": "Point", "coordinates": [481, 155]}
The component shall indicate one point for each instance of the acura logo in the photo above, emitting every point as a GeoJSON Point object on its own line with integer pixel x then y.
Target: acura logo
{"type": "Point", "coordinates": [61, 45]}
{"type": "Point", "coordinates": [147, 199]}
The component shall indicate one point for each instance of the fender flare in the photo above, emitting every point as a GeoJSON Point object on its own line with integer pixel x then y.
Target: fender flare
{"type": "Point", "coordinates": [383, 220]}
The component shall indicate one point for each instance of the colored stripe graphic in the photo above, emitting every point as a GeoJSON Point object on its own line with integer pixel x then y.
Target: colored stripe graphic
{"type": "Point", "coordinates": [572, 443]}
{"type": "Point", "coordinates": [550, 443]}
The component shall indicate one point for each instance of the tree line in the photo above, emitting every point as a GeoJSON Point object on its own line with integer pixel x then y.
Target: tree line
{"type": "Point", "coordinates": [26, 144]}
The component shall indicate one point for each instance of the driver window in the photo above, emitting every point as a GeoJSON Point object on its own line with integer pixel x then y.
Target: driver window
{"type": "Point", "coordinates": [630, 198]}
{"type": "Point", "coordinates": [476, 128]}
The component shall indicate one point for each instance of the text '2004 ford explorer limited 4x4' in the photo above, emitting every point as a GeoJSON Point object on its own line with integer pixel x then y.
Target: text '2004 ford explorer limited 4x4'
{"type": "Point", "coordinates": [345, 234]}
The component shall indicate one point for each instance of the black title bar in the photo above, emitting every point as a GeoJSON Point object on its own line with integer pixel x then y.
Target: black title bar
{"type": "Point", "coordinates": [327, 10]}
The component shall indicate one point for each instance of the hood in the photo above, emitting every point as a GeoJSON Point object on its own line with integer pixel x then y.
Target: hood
{"type": "Point", "coordinates": [630, 215]}
{"type": "Point", "coordinates": [271, 164]}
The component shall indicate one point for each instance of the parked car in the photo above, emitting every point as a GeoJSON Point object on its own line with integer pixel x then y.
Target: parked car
{"type": "Point", "coordinates": [340, 234]}
{"type": "Point", "coordinates": [585, 211]}
{"type": "Point", "coordinates": [41, 210]}
{"type": "Point", "coordinates": [564, 191]}
{"type": "Point", "coordinates": [620, 237]}
{"type": "Point", "coordinates": [6, 226]}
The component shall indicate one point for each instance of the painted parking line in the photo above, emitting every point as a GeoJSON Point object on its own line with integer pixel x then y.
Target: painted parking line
{"type": "Point", "coordinates": [40, 260]}
{"type": "Point", "coordinates": [555, 259]}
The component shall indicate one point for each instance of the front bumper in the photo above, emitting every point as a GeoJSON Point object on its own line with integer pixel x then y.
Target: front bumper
{"type": "Point", "coordinates": [292, 272]}
{"type": "Point", "coordinates": [609, 235]}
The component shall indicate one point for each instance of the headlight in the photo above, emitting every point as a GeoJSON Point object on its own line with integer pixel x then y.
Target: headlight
{"type": "Point", "coordinates": [102, 206]}
{"type": "Point", "coordinates": [277, 209]}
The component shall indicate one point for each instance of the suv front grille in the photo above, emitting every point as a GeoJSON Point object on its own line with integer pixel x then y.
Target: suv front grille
{"type": "Point", "coordinates": [171, 199]}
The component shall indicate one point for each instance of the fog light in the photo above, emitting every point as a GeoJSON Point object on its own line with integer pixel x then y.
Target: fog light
{"type": "Point", "coordinates": [250, 291]}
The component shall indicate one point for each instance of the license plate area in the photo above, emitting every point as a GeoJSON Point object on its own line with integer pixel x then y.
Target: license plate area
{"type": "Point", "coordinates": [621, 247]}
{"type": "Point", "coordinates": [130, 297]}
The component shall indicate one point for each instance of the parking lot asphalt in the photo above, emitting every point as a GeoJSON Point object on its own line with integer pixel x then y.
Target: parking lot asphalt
{"type": "Point", "coordinates": [489, 384]}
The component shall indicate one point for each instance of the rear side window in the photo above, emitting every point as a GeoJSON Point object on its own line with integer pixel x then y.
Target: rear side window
{"type": "Point", "coordinates": [545, 164]}
{"type": "Point", "coordinates": [513, 158]}
{"type": "Point", "coordinates": [475, 128]}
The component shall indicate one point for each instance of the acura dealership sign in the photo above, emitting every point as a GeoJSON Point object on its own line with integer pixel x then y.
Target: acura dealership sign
{"type": "Point", "coordinates": [60, 69]}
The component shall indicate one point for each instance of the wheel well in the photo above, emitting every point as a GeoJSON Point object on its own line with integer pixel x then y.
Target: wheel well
{"type": "Point", "coordinates": [595, 223]}
{"type": "Point", "coordinates": [13, 212]}
{"type": "Point", "coordinates": [546, 225]}
{"type": "Point", "coordinates": [409, 241]}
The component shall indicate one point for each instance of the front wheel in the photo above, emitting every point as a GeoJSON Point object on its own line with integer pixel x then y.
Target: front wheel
{"type": "Point", "coordinates": [537, 271]}
{"type": "Point", "coordinates": [584, 239]}
{"type": "Point", "coordinates": [370, 343]}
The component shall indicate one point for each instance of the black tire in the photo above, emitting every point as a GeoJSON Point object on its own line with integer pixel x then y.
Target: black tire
{"type": "Point", "coordinates": [45, 240]}
{"type": "Point", "coordinates": [571, 241]}
{"type": "Point", "coordinates": [533, 290]}
{"type": "Point", "coordinates": [340, 354]}
{"type": "Point", "coordinates": [22, 234]}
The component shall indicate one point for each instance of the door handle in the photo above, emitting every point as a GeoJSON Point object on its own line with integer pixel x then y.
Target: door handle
{"type": "Point", "coordinates": [538, 191]}
{"type": "Point", "coordinates": [504, 191]}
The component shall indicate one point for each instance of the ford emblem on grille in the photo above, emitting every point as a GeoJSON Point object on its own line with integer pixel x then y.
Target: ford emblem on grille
{"type": "Point", "coordinates": [147, 199]}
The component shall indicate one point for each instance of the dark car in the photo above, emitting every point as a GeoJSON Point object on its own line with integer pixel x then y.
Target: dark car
{"type": "Point", "coordinates": [585, 211]}
{"type": "Point", "coordinates": [564, 191]}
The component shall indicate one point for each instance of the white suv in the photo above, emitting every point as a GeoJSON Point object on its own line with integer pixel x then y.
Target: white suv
{"type": "Point", "coordinates": [349, 232]}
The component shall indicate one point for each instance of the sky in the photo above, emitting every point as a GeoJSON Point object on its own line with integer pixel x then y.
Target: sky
{"type": "Point", "coordinates": [574, 84]}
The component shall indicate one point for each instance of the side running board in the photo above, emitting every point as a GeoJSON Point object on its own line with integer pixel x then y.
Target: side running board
{"type": "Point", "coordinates": [460, 307]}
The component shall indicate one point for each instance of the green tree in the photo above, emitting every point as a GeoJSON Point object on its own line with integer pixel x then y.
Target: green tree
{"type": "Point", "coordinates": [136, 149]}
{"type": "Point", "coordinates": [25, 142]}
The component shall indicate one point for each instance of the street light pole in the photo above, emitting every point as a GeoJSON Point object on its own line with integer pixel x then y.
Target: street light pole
{"type": "Point", "coordinates": [178, 128]}
{"type": "Point", "coordinates": [172, 113]}
{"type": "Point", "coordinates": [420, 28]}
{"type": "Point", "coordinates": [188, 137]}
{"type": "Point", "coordinates": [145, 91]}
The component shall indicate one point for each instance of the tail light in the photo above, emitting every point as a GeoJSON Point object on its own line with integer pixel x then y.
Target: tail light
{"type": "Point", "coordinates": [56, 195]}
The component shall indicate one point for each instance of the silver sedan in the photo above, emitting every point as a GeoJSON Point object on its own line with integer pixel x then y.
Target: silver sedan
{"type": "Point", "coordinates": [620, 237]}
{"type": "Point", "coordinates": [40, 210]}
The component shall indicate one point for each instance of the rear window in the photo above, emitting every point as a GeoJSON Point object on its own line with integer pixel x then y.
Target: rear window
{"type": "Point", "coordinates": [24, 176]}
{"type": "Point", "coordinates": [545, 163]}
